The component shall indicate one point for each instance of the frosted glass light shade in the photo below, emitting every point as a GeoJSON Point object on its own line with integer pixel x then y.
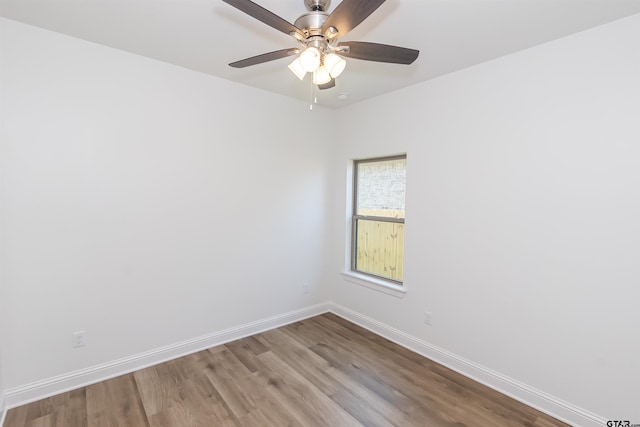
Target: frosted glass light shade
{"type": "Point", "coordinates": [297, 68]}
{"type": "Point", "coordinates": [310, 59]}
{"type": "Point", "coordinates": [321, 76]}
{"type": "Point", "coordinates": [334, 64]}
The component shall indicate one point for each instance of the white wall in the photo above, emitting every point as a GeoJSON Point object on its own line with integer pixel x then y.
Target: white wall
{"type": "Point", "coordinates": [2, 321]}
{"type": "Point", "coordinates": [146, 204]}
{"type": "Point", "coordinates": [2, 296]}
{"type": "Point", "coordinates": [523, 236]}
{"type": "Point", "coordinates": [2, 402]}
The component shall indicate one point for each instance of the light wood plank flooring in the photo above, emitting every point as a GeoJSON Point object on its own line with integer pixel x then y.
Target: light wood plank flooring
{"type": "Point", "coordinates": [323, 371]}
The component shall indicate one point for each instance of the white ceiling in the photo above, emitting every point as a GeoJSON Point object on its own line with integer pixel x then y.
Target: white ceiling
{"type": "Point", "coordinates": [206, 35]}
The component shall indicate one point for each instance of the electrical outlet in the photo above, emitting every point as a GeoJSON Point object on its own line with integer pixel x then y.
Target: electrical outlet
{"type": "Point", "coordinates": [305, 287]}
{"type": "Point", "coordinates": [77, 339]}
{"type": "Point", "coordinates": [427, 317]}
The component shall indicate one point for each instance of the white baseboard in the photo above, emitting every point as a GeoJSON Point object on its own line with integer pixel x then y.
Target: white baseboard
{"type": "Point", "coordinates": [530, 396]}
{"type": "Point", "coordinates": [83, 377]}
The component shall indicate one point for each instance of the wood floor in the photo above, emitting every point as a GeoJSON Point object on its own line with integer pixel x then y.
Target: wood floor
{"type": "Point", "coordinates": [323, 371]}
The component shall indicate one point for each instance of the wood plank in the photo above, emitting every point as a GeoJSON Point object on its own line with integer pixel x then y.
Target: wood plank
{"type": "Point", "coordinates": [115, 402]}
{"type": "Point", "coordinates": [66, 409]}
{"type": "Point", "coordinates": [301, 397]}
{"type": "Point", "coordinates": [234, 385]}
{"type": "Point", "coordinates": [301, 359]}
{"type": "Point", "coordinates": [360, 409]}
{"type": "Point", "coordinates": [250, 394]}
{"type": "Point", "coordinates": [180, 390]}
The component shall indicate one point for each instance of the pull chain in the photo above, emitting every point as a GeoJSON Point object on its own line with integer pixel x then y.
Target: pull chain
{"type": "Point", "coordinates": [311, 97]}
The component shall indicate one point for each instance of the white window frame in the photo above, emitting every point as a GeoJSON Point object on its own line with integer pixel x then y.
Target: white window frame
{"type": "Point", "coordinates": [382, 284]}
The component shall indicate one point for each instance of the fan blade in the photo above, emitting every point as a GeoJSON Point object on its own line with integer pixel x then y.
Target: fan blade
{"type": "Point", "coordinates": [379, 52]}
{"type": "Point", "coordinates": [266, 16]}
{"type": "Point", "coordinates": [329, 85]}
{"type": "Point", "coordinates": [349, 14]}
{"type": "Point", "coordinates": [265, 57]}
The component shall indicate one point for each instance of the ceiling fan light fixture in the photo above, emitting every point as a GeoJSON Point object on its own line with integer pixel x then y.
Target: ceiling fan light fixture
{"type": "Point", "coordinates": [317, 33]}
{"type": "Point", "coordinates": [297, 68]}
{"type": "Point", "coordinates": [321, 76]}
{"type": "Point", "coordinates": [310, 59]}
{"type": "Point", "coordinates": [334, 64]}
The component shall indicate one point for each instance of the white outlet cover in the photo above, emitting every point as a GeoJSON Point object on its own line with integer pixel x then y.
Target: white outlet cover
{"type": "Point", "coordinates": [77, 339]}
{"type": "Point", "coordinates": [427, 317]}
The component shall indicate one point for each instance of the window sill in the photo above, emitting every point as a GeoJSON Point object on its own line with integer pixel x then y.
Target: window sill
{"type": "Point", "coordinates": [374, 283]}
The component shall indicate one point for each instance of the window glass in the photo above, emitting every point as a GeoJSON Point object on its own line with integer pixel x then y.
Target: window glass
{"type": "Point", "coordinates": [378, 217]}
{"type": "Point", "coordinates": [381, 187]}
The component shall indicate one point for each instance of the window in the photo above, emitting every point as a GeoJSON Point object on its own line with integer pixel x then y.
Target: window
{"type": "Point", "coordinates": [378, 217]}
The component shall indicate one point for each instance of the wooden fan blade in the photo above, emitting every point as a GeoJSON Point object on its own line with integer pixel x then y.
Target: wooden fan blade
{"type": "Point", "coordinates": [266, 16]}
{"type": "Point", "coordinates": [265, 57]}
{"type": "Point", "coordinates": [379, 52]}
{"type": "Point", "coordinates": [349, 14]}
{"type": "Point", "coordinates": [329, 85]}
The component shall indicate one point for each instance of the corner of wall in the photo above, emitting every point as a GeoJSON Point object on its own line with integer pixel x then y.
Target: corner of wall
{"type": "Point", "coordinates": [517, 390]}
{"type": "Point", "coordinates": [3, 409]}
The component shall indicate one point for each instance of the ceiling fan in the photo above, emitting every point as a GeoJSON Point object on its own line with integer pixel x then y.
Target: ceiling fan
{"type": "Point", "coordinates": [317, 32]}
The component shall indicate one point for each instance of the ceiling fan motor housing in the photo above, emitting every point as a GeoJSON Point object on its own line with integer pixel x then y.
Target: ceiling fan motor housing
{"type": "Point", "coordinates": [311, 23]}
{"type": "Point", "coordinates": [317, 5]}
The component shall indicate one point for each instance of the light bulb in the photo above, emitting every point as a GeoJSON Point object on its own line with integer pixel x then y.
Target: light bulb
{"type": "Point", "coordinates": [310, 59]}
{"type": "Point", "coordinates": [297, 68]}
{"type": "Point", "coordinates": [334, 64]}
{"type": "Point", "coordinates": [321, 76]}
